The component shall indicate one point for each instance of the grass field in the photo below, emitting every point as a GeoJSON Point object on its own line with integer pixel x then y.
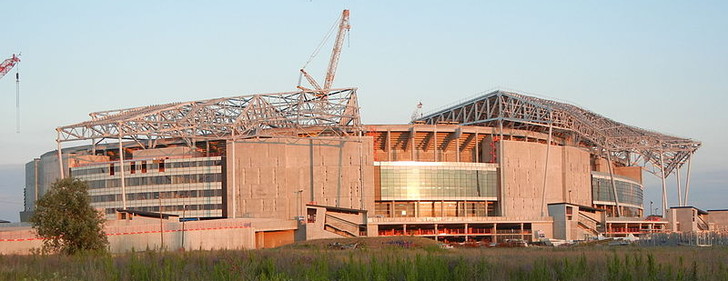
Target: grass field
{"type": "Point", "coordinates": [382, 260]}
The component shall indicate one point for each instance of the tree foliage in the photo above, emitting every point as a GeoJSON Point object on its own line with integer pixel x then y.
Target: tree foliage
{"type": "Point", "coordinates": [65, 218]}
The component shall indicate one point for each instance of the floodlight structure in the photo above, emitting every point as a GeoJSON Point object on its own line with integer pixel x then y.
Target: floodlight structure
{"type": "Point", "coordinates": [660, 154]}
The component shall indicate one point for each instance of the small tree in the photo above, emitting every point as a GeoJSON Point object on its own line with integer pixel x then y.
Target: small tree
{"type": "Point", "coordinates": [65, 218]}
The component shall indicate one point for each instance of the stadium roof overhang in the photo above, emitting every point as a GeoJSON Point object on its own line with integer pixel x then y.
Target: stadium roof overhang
{"type": "Point", "coordinates": [310, 113]}
{"type": "Point", "coordinates": [626, 144]}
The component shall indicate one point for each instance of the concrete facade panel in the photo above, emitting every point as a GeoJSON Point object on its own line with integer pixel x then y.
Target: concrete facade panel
{"type": "Point", "coordinates": [331, 169]}
{"type": "Point", "coordinates": [568, 178]}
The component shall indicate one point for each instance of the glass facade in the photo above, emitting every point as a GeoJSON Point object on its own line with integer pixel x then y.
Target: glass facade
{"type": "Point", "coordinates": [437, 181]}
{"type": "Point", "coordinates": [628, 192]}
{"type": "Point", "coordinates": [436, 189]}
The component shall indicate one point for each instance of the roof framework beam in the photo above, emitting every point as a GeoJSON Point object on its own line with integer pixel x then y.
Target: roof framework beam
{"type": "Point", "coordinates": [602, 135]}
{"type": "Point", "coordinates": [260, 115]}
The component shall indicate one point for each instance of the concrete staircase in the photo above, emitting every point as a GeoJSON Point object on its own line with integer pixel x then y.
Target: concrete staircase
{"type": "Point", "coordinates": [589, 225]}
{"type": "Point", "coordinates": [341, 226]}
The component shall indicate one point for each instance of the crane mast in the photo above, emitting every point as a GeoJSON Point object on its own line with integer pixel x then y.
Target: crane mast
{"type": "Point", "coordinates": [344, 26]}
{"type": "Point", "coordinates": [333, 63]}
{"type": "Point", "coordinates": [5, 67]}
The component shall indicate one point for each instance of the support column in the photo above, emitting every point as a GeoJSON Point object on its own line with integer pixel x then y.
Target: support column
{"type": "Point", "coordinates": [457, 146]}
{"type": "Point", "coordinates": [361, 171]}
{"type": "Point", "coordinates": [413, 134]}
{"type": "Point", "coordinates": [495, 233]}
{"type": "Point", "coordinates": [614, 185]}
{"type": "Point", "coordinates": [60, 154]}
{"type": "Point", "coordinates": [687, 179]}
{"type": "Point", "coordinates": [546, 170]}
{"type": "Point", "coordinates": [121, 172]}
{"type": "Point", "coordinates": [434, 143]}
{"type": "Point", "coordinates": [477, 148]}
{"type": "Point", "coordinates": [501, 202]}
{"type": "Point", "coordinates": [233, 172]}
{"type": "Point", "coordinates": [664, 186]}
{"type": "Point", "coordinates": [679, 192]}
{"type": "Point", "coordinates": [467, 232]}
{"type": "Point", "coordinates": [389, 145]}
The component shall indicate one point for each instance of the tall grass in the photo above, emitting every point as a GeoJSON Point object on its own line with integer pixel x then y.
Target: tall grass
{"type": "Point", "coordinates": [628, 263]}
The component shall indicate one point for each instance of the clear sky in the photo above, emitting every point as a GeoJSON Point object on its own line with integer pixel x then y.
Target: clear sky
{"type": "Point", "coordinates": [660, 65]}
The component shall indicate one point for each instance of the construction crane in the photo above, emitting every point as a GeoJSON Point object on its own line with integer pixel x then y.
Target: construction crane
{"type": "Point", "coordinates": [344, 27]}
{"type": "Point", "coordinates": [5, 67]}
{"type": "Point", "coordinates": [8, 64]}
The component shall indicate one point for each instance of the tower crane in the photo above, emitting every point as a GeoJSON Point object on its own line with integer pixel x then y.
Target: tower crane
{"type": "Point", "coordinates": [5, 67]}
{"type": "Point", "coordinates": [8, 64]}
{"type": "Point", "coordinates": [344, 27]}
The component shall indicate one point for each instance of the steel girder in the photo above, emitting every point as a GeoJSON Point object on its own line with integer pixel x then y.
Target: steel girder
{"type": "Point", "coordinates": [335, 112]}
{"type": "Point", "coordinates": [627, 144]}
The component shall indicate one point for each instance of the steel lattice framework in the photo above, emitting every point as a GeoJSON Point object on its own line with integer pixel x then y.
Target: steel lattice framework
{"type": "Point", "coordinates": [302, 113]}
{"type": "Point", "coordinates": [624, 143]}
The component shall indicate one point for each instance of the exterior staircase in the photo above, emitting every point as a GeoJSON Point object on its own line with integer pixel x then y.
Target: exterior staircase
{"type": "Point", "coordinates": [341, 226]}
{"type": "Point", "coordinates": [590, 225]}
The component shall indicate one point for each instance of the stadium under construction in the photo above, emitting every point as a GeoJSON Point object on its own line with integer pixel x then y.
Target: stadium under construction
{"type": "Point", "coordinates": [301, 165]}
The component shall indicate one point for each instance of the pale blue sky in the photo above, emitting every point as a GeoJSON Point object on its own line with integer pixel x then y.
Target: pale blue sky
{"type": "Point", "coordinates": [660, 65]}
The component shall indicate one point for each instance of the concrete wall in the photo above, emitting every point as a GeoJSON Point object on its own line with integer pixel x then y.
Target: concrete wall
{"type": "Point", "coordinates": [547, 228]}
{"type": "Point", "coordinates": [681, 219]}
{"type": "Point", "coordinates": [576, 176]}
{"type": "Point", "coordinates": [18, 240]}
{"type": "Point", "coordinates": [269, 173]}
{"type": "Point", "coordinates": [523, 166]}
{"type": "Point", "coordinates": [632, 172]}
{"type": "Point", "coordinates": [558, 212]}
{"type": "Point", "coordinates": [147, 233]}
{"type": "Point", "coordinates": [718, 219]}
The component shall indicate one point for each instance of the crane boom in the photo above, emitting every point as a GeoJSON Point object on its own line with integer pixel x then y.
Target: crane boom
{"type": "Point", "coordinates": [310, 81]}
{"type": "Point", "coordinates": [343, 28]}
{"type": "Point", "coordinates": [8, 64]}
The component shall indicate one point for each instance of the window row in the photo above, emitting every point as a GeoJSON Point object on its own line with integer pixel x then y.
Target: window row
{"type": "Point", "coordinates": [173, 208]}
{"type": "Point", "coordinates": [627, 192]}
{"type": "Point", "coordinates": [435, 209]}
{"type": "Point", "coordinates": [156, 180]}
{"type": "Point", "coordinates": [156, 195]}
{"type": "Point", "coordinates": [143, 166]}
